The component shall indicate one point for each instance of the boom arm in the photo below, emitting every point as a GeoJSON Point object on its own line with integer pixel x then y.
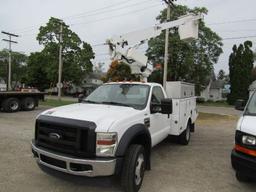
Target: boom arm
{"type": "Point", "coordinates": [124, 47]}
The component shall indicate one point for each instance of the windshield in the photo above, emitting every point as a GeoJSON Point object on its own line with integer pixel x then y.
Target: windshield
{"type": "Point", "coordinates": [130, 95]}
{"type": "Point", "coordinates": [251, 107]}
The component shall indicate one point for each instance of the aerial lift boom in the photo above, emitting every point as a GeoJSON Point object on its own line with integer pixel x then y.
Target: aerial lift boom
{"type": "Point", "coordinates": [125, 47]}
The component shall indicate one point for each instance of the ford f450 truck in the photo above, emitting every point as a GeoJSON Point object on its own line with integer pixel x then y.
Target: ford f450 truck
{"type": "Point", "coordinates": [243, 156]}
{"type": "Point", "coordinates": [112, 131]}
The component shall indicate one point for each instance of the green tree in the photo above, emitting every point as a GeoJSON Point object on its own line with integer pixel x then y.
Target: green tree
{"type": "Point", "coordinates": [156, 76]}
{"type": "Point", "coordinates": [76, 55]}
{"type": "Point", "coordinates": [19, 67]}
{"type": "Point", "coordinates": [119, 71]}
{"type": "Point", "coordinates": [240, 70]}
{"type": "Point", "coordinates": [254, 74]}
{"type": "Point", "coordinates": [188, 61]}
{"type": "Point", "coordinates": [37, 75]}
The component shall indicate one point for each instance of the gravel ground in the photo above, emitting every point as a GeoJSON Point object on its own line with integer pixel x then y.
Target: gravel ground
{"type": "Point", "coordinates": [219, 110]}
{"type": "Point", "coordinates": [203, 166]}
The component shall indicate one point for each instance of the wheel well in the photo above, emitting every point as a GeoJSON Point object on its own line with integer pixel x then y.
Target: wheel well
{"type": "Point", "coordinates": [143, 140]}
{"type": "Point", "coordinates": [189, 121]}
{"type": "Point", "coordinates": [192, 125]}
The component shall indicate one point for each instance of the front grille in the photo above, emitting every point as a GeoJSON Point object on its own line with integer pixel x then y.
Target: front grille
{"type": "Point", "coordinates": [72, 140]}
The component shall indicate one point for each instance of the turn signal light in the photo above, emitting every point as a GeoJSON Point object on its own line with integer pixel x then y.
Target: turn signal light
{"type": "Point", "coordinates": [245, 150]}
{"type": "Point", "coordinates": [106, 142]}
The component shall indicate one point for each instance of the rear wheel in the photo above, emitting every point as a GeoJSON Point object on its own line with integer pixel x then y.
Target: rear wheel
{"type": "Point", "coordinates": [11, 105]}
{"type": "Point", "coordinates": [134, 168]}
{"type": "Point", "coordinates": [28, 104]}
{"type": "Point", "coordinates": [184, 138]}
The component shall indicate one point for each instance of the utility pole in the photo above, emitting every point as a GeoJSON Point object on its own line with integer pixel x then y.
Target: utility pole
{"type": "Point", "coordinates": [9, 84]}
{"type": "Point", "coordinates": [166, 53]}
{"type": "Point", "coordinates": [60, 85]}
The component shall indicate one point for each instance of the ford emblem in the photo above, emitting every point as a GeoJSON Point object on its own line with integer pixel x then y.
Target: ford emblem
{"type": "Point", "coordinates": [54, 136]}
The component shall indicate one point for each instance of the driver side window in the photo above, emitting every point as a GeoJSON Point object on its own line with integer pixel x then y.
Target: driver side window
{"type": "Point", "coordinates": [157, 95]}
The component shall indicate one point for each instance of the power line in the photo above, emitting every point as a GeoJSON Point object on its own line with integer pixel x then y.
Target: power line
{"type": "Point", "coordinates": [115, 16]}
{"type": "Point", "coordinates": [110, 17]}
{"type": "Point", "coordinates": [109, 10]}
{"type": "Point", "coordinates": [17, 29]}
{"type": "Point", "coordinates": [239, 30]}
{"type": "Point", "coordinates": [99, 9]}
{"type": "Point", "coordinates": [242, 37]}
{"type": "Point", "coordinates": [88, 13]}
{"type": "Point", "coordinates": [234, 21]}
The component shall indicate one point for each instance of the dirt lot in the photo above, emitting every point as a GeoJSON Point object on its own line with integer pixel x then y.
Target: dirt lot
{"type": "Point", "coordinates": [203, 166]}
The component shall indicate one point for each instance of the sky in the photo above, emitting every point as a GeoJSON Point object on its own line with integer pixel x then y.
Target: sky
{"type": "Point", "coordinates": [95, 21]}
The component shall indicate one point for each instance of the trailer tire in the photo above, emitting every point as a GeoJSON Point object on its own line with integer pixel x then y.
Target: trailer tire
{"type": "Point", "coordinates": [133, 168]}
{"type": "Point", "coordinates": [184, 138]}
{"type": "Point", "coordinates": [11, 105]}
{"type": "Point", "coordinates": [28, 104]}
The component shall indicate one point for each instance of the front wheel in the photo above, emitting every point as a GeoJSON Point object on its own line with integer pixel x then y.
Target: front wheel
{"type": "Point", "coordinates": [134, 168]}
{"type": "Point", "coordinates": [242, 177]}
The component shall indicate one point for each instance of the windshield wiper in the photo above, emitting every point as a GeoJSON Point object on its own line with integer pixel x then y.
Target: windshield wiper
{"type": "Point", "coordinates": [89, 101]}
{"type": "Point", "coordinates": [116, 103]}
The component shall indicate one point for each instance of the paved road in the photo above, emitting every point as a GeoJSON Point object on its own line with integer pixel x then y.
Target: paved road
{"type": "Point", "coordinates": [219, 110]}
{"type": "Point", "coordinates": [203, 166]}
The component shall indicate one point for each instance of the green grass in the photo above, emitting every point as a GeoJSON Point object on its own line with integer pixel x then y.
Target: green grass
{"type": "Point", "coordinates": [55, 103]}
{"type": "Point", "coordinates": [216, 104]}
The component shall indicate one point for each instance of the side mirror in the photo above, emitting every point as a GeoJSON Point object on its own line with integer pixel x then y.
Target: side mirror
{"type": "Point", "coordinates": [166, 106]}
{"type": "Point", "coordinates": [80, 98]}
{"type": "Point", "coordinates": [240, 105]}
{"type": "Point", "coordinates": [155, 108]}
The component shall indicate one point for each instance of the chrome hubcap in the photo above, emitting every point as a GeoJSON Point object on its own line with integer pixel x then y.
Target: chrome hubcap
{"type": "Point", "coordinates": [30, 105]}
{"type": "Point", "coordinates": [14, 106]}
{"type": "Point", "coordinates": [139, 170]}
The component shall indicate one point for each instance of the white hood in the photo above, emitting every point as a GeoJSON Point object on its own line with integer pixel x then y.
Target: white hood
{"type": "Point", "coordinates": [102, 115]}
{"type": "Point", "coordinates": [248, 124]}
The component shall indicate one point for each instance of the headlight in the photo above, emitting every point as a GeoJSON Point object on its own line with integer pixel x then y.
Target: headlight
{"type": "Point", "coordinates": [106, 144]}
{"type": "Point", "coordinates": [248, 140]}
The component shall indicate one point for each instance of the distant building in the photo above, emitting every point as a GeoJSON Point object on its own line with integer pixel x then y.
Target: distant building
{"type": "Point", "coordinates": [89, 84]}
{"type": "Point", "coordinates": [3, 86]}
{"type": "Point", "coordinates": [214, 91]}
{"type": "Point", "coordinates": [92, 82]}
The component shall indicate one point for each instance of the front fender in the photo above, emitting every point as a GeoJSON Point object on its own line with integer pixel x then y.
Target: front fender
{"type": "Point", "coordinates": [136, 134]}
{"type": "Point", "coordinates": [129, 135]}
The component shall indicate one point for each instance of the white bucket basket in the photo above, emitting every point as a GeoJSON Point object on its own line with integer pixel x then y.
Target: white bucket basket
{"type": "Point", "coordinates": [189, 30]}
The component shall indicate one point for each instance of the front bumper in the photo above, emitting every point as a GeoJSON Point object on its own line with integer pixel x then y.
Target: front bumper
{"type": "Point", "coordinates": [244, 163]}
{"type": "Point", "coordinates": [74, 166]}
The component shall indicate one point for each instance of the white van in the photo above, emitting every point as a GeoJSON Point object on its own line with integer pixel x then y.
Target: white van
{"type": "Point", "coordinates": [243, 156]}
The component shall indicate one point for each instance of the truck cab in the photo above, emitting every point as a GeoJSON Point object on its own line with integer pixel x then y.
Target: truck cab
{"type": "Point", "coordinates": [243, 156]}
{"type": "Point", "coordinates": [112, 131]}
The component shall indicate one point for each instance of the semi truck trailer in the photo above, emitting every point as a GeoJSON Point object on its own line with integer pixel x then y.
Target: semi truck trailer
{"type": "Point", "coordinates": [13, 101]}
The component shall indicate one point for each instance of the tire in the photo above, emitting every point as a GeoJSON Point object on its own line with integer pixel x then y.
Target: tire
{"type": "Point", "coordinates": [133, 168]}
{"type": "Point", "coordinates": [28, 104]}
{"type": "Point", "coordinates": [184, 138]}
{"type": "Point", "coordinates": [242, 177]}
{"type": "Point", "coordinates": [11, 105]}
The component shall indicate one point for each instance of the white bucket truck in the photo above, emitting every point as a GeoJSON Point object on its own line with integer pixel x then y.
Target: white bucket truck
{"type": "Point", "coordinates": [112, 131]}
